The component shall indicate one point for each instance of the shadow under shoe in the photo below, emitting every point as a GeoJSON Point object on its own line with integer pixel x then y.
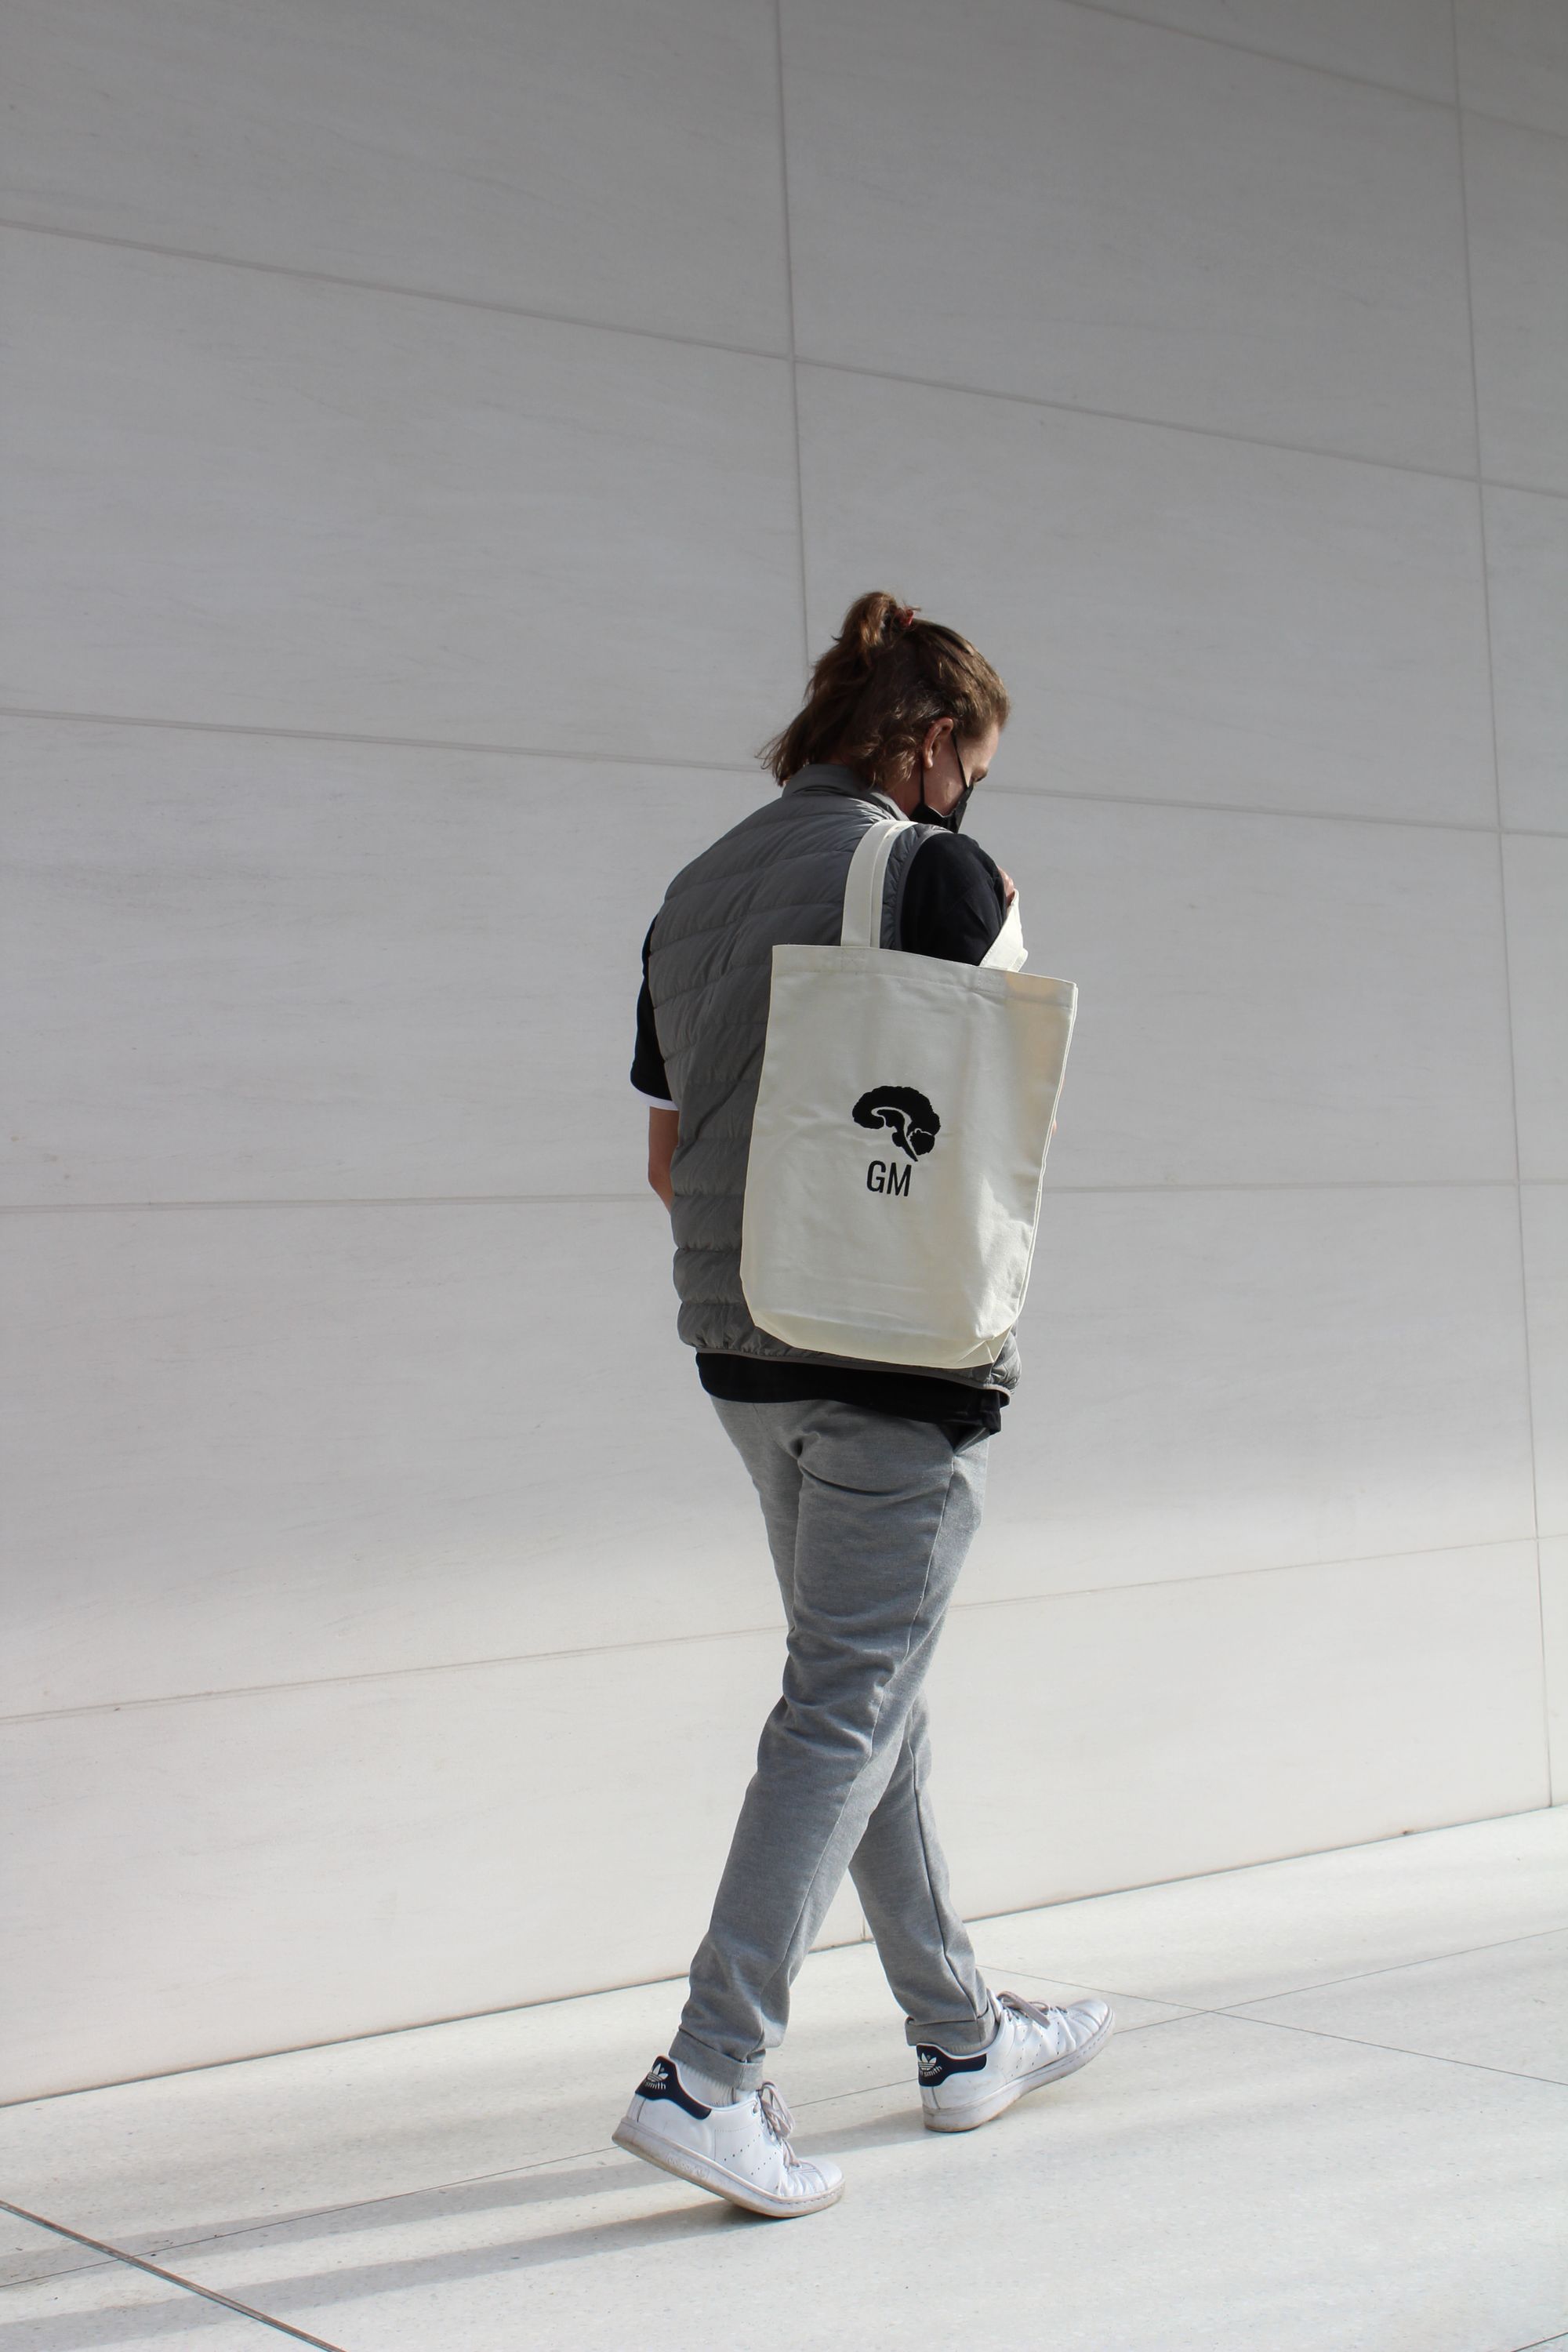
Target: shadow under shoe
{"type": "Point", "coordinates": [741, 2151]}
{"type": "Point", "coordinates": [1033, 2045]}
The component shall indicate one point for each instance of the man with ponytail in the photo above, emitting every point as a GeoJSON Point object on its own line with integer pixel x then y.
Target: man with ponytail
{"type": "Point", "coordinates": [871, 1476]}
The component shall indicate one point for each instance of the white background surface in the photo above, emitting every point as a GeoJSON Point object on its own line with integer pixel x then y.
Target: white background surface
{"type": "Point", "coordinates": [433, 438]}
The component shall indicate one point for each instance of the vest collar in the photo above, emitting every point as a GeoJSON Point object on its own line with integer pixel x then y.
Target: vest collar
{"type": "Point", "coordinates": [829, 776]}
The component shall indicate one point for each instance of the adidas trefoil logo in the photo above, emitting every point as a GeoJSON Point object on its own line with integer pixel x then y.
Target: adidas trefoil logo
{"type": "Point", "coordinates": [930, 2062]}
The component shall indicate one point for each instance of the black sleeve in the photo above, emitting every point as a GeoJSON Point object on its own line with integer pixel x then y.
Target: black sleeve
{"type": "Point", "coordinates": [954, 900]}
{"type": "Point", "coordinates": [647, 1062]}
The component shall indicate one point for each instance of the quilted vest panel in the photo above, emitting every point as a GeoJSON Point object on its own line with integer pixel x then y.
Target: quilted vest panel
{"type": "Point", "coordinates": [778, 875]}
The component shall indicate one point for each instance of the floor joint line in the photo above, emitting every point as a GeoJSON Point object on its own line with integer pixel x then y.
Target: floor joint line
{"type": "Point", "coordinates": [170, 2278]}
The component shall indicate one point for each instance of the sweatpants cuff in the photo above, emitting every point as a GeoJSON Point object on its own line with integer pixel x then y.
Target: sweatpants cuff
{"type": "Point", "coordinates": [743, 2075]}
{"type": "Point", "coordinates": [961, 2037]}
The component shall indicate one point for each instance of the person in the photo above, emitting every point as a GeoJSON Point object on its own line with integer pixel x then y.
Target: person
{"type": "Point", "coordinates": [870, 1477]}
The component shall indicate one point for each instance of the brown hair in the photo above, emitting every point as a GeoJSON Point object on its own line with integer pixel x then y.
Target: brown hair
{"type": "Point", "coordinates": [885, 678]}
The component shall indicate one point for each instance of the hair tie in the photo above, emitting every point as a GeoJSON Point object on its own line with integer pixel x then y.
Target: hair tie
{"type": "Point", "coordinates": [904, 615]}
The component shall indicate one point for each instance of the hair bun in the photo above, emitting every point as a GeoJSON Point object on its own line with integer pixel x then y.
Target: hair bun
{"type": "Point", "coordinates": [877, 689]}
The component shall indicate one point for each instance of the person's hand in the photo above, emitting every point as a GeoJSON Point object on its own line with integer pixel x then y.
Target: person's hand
{"type": "Point", "coordinates": [1009, 888]}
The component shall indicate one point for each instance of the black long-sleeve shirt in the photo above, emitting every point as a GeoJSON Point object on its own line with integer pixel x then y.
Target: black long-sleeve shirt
{"type": "Point", "coordinates": [954, 904]}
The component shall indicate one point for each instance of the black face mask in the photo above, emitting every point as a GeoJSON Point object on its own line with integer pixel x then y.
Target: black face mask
{"type": "Point", "coordinates": [922, 812]}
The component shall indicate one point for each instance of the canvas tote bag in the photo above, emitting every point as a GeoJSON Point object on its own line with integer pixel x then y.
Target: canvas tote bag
{"type": "Point", "coordinates": [904, 1110]}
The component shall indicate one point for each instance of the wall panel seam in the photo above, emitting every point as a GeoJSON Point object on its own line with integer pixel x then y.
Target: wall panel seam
{"type": "Point", "coordinates": [1444, 1553]}
{"type": "Point", "coordinates": [1270, 57]}
{"type": "Point", "coordinates": [611, 1199]}
{"type": "Point", "coordinates": [397, 291]}
{"type": "Point", "coordinates": [789, 300]}
{"type": "Point", "coordinates": [1502, 910]}
{"type": "Point", "coordinates": [791, 361]}
{"type": "Point", "coordinates": [669, 760]}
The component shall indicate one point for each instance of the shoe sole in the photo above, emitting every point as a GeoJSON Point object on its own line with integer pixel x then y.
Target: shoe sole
{"type": "Point", "coordinates": [985, 2111]}
{"type": "Point", "coordinates": [687, 2165]}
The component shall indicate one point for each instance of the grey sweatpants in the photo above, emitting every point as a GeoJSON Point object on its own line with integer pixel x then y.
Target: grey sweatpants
{"type": "Point", "coordinates": [868, 1517]}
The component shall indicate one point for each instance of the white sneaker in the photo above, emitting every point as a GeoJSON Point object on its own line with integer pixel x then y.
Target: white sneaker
{"type": "Point", "coordinates": [741, 2151]}
{"type": "Point", "coordinates": [1033, 2045]}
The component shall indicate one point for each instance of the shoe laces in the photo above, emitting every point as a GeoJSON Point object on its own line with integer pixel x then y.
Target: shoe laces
{"type": "Point", "coordinates": [1041, 2014]}
{"type": "Point", "coordinates": [775, 2114]}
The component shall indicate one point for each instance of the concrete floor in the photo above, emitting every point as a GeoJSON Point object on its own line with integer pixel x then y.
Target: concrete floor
{"type": "Point", "coordinates": [1333, 2118]}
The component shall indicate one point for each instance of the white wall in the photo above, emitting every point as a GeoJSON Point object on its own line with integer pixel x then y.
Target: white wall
{"type": "Point", "coordinates": [431, 461]}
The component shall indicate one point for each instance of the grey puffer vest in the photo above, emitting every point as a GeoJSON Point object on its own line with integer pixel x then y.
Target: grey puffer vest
{"type": "Point", "coordinates": [779, 875]}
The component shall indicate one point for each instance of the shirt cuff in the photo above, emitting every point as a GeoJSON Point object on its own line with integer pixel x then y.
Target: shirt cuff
{"type": "Point", "coordinates": [659, 1102]}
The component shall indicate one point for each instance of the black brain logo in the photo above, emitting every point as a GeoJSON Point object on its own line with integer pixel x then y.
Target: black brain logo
{"type": "Point", "coordinates": [906, 1112]}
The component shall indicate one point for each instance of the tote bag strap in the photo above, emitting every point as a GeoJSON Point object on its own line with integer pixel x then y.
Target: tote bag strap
{"type": "Point", "coordinates": [863, 900]}
{"type": "Point", "coordinates": [863, 889]}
